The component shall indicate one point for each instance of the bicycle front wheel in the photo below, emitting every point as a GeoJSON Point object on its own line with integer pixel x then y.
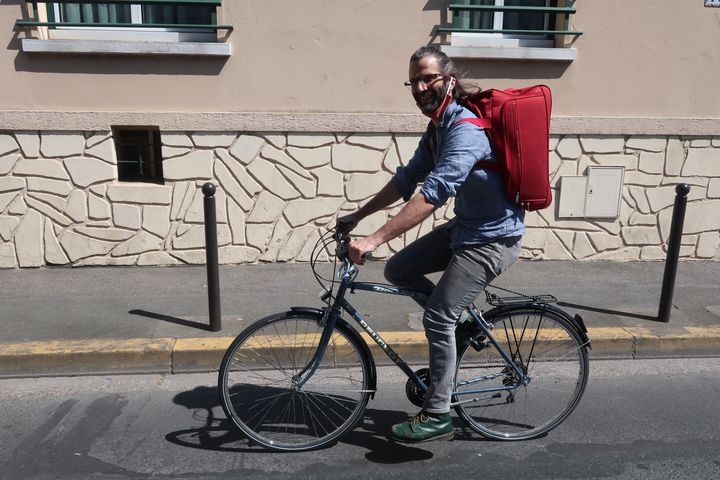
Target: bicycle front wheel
{"type": "Point", "coordinates": [554, 360]}
{"type": "Point", "coordinates": [261, 391]}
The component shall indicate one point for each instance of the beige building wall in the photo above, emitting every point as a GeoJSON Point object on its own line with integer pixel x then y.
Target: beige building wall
{"type": "Point", "coordinates": [308, 117]}
{"type": "Point", "coordinates": [639, 58]}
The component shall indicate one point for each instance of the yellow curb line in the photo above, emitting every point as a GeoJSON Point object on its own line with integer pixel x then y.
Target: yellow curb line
{"type": "Point", "coordinates": [67, 357]}
{"type": "Point", "coordinates": [180, 355]}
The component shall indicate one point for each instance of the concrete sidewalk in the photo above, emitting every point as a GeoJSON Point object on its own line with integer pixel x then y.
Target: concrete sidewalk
{"type": "Point", "coordinates": [154, 319]}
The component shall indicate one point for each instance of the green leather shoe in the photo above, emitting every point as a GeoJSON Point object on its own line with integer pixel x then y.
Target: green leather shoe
{"type": "Point", "coordinates": [424, 427]}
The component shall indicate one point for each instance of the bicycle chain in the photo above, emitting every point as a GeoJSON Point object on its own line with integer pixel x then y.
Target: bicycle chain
{"type": "Point", "coordinates": [509, 291]}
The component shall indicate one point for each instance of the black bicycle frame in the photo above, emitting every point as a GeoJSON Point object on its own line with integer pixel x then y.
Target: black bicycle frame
{"type": "Point", "coordinates": [382, 288]}
{"type": "Point", "coordinates": [341, 303]}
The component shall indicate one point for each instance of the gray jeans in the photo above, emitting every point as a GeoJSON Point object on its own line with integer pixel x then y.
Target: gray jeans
{"type": "Point", "coordinates": [466, 272]}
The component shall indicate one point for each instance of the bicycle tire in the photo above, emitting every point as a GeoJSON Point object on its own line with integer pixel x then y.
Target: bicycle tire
{"type": "Point", "coordinates": [261, 397]}
{"type": "Point", "coordinates": [544, 345]}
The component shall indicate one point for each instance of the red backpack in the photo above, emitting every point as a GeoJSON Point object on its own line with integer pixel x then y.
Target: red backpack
{"type": "Point", "coordinates": [517, 121]}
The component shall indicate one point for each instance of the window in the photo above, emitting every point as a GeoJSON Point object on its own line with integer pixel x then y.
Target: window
{"type": "Point", "coordinates": [145, 15]}
{"type": "Point", "coordinates": [510, 23]}
{"type": "Point", "coordinates": [523, 24]}
{"type": "Point", "coordinates": [138, 21]}
{"type": "Point", "coordinates": [139, 156]}
{"type": "Point", "coordinates": [125, 20]}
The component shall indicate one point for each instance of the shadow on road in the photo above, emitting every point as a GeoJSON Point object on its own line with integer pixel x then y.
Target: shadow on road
{"type": "Point", "coordinates": [218, 434]}
{"type": "Point", "coordinates": [215, 433]}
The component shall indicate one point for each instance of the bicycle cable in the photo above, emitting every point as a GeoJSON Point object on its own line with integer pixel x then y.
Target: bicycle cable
{"type": "Point", "coordinates": [322, 243]}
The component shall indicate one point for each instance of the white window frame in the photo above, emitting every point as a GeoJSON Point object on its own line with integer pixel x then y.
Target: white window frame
{"type": "Point", "coordinates": [464, 39]}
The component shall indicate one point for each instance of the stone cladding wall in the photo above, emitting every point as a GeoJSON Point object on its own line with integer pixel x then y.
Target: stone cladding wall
{"type": "Point", "coordinates": [61, 202]}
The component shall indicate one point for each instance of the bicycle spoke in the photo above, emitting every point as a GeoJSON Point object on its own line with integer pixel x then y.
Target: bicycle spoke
{"type": "Point", "coordinates": [263, 412]}
{"type": "Point", "coordinates": [290, 354]}
{"type": "Point", "coordinates": [312, 395]}
{"type": "Point", "coordinates": [546, 349]}
{"type": "Point", "coordinates": [315, 341]}
{"type": "Point", "coordinates": [274, 353]}
{"type": "Point", "coordinates": [257, 375]}
{"type": "Point", "coordinates": [321, 406]}
{"type": "Point", "coordinates": [264, 398]}
{"type": "Point", "coordinates": [263, 359]}
{"type": "Point", "coordinates": [318, 423]}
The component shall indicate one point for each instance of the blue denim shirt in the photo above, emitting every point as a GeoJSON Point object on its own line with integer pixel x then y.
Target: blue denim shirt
{"type": "Point", "coordinates": [445, 161]}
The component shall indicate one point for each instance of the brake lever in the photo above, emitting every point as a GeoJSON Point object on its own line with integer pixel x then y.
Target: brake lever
{"type": "Point", "coordinates": [343, 246]}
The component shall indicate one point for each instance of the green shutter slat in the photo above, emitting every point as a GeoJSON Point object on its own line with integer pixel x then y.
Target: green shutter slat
{"type": "Point", "coordinates": [477, 9]}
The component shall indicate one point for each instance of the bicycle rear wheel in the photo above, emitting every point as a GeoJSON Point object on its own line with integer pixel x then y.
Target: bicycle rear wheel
{"type": "Point", "coordinates": [261, 393]}
{"type": "Point", "coordinates": [548, 349]}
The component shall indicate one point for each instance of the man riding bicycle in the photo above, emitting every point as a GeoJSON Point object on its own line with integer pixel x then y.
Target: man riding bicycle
{"type": "Point", "coordinates": [472, 249]}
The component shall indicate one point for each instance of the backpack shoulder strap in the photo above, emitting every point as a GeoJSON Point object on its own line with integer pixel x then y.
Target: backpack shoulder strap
{"type": "Point", "coordinates": [482, 123]}
{"type": "Point", "coordinates": [479, 122]}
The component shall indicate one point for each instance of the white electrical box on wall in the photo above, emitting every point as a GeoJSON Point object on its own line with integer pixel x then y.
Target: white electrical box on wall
{"type": "Point", "coordinates": [712, 3]}
{"type": "Point", "coordinates": [604, 191]}
{"type": "Point", "coordinates": [572, 196]}
{"type": "Point", "coordinates": [596, 195]}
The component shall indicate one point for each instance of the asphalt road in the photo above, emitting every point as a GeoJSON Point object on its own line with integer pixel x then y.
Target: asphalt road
{"type": "Point", "coordinates": [639, 419]}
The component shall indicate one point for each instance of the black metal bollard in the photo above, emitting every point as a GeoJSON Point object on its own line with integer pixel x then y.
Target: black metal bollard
{"type": "Point", "coordinates": [211, 256]}
{"type": "Point", "coordinates": [673, 251]}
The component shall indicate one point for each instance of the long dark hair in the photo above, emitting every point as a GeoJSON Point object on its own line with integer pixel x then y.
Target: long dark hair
{"type": "Point", "coordinates": [462, 90]}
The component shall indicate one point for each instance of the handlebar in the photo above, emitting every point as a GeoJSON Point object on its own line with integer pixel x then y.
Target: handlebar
{"type": "Point", "coordinates": [343, 242]}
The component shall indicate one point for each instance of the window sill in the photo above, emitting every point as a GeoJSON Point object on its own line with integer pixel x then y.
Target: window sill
{"type": "Point", "coordinates": [114, 47]}
{"type": "Point", "coordinates": [512, 53]}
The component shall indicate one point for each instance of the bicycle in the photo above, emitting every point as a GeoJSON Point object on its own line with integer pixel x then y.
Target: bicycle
{"type": "Point", "coordinates": [299, 379]}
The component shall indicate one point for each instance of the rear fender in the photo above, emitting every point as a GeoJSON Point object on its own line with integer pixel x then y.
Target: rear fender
{"type": "Point", "coordinates": [576, 321]}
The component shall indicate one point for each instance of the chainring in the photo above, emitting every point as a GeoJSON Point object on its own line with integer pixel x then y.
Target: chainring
{"type": "Point", "coordinates": [415, 393]}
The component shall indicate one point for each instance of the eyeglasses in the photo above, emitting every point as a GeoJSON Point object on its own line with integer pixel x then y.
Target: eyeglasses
{"type": "Point", "coordinates": [427, 80]}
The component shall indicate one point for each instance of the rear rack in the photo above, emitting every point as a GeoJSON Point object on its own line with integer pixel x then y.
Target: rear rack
{"type": "Point", "coordinates": [497, 301]}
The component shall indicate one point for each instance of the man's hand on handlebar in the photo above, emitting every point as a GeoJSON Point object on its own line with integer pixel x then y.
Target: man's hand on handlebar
{"type": "Point", "coordinates": [359, 250]}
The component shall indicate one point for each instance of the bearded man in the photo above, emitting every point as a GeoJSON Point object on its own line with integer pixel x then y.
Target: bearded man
{"type": "Point", "coordinates": [480, 242]}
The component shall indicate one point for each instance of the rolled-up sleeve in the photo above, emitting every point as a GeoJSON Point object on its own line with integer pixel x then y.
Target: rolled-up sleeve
{"type": "Point", "coordinates": [457, 160]}
{"type": "Point", "coordinates": [420, 165]}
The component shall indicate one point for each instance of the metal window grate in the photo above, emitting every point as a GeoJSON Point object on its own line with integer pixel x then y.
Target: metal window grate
{"type": "Point", "coordinates": [562, 15]}
{"type": "Point", "coordinates": [139, 153]}
{"type": "Point", "coordinates": [90, 21]}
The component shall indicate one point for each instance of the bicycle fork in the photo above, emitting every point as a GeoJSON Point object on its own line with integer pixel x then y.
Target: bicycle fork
{"type": "Point", "coordinates": [329, 319]}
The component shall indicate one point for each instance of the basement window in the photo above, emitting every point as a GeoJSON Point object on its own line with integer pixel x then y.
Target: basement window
{"type": "Point", "coordinates": [139, 154]}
